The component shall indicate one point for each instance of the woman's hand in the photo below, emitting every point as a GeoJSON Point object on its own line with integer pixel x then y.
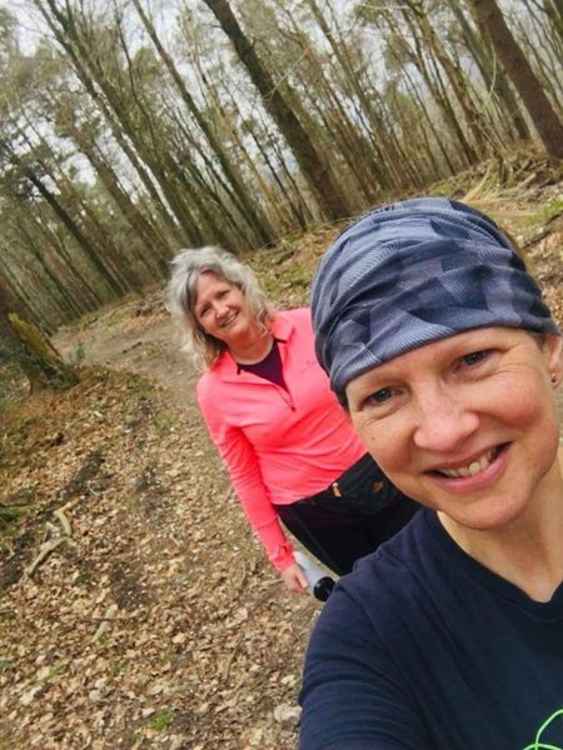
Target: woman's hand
{"type": "Point", "coordinates": [294, 579]}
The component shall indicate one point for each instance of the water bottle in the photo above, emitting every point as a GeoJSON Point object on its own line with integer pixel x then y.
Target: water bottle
{"type": "Point", "coordinates": [320, 584]}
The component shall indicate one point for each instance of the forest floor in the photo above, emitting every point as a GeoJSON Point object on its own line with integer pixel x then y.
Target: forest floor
{"type": "Point", "coordinates": [154, 620]}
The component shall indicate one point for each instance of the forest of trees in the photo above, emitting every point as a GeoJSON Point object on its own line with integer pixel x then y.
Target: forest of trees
{"type": "Point", "coordinates": [133, 128]}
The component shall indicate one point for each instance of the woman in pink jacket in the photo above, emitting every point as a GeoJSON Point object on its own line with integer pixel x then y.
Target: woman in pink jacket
{"type": "Point", "coordinates": [286, 441]}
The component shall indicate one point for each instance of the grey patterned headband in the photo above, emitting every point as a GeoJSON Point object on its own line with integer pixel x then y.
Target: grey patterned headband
{"type": "Point", "coordinates": [415, 272]}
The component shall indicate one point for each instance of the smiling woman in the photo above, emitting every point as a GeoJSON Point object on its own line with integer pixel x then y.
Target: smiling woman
{"type": "Point", "coordinates": [223, 313]}
{"type": "Point", "coordinates": [437, 339]}
{"type": "Point", "coordinates": [289, 447]}
{"type": "Point", "coordinates": [449, 416]}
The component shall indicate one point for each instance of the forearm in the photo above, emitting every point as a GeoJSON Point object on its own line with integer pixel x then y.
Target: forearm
{"type": "Point", "coordinates": [278, 547]}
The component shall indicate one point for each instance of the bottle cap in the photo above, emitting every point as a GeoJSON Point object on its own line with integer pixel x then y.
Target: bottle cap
{"type": "Point", "coordinates": [323, 588]}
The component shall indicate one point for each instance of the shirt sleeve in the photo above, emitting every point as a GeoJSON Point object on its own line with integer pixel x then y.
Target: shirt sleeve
{"type": "Point", "coordinates": [240, 459]}
{"type": "Point", "coordinates": [353, 697]}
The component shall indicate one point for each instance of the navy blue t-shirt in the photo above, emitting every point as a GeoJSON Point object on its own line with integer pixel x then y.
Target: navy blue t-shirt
{"type": "Point", "coordinates": [423, 648]}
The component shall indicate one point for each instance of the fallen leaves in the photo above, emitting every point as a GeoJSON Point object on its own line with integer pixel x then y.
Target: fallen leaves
{"type": "Point", "coordinates": [153, 628]}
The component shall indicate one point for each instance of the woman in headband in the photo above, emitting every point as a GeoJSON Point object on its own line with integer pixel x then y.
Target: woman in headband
{"type": "Point", "coordinates": [450, 636]}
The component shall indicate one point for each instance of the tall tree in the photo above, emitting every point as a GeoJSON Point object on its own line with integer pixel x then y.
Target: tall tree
{"type": "Point", "coordinates": [493, 76]}
{"type": "Point", "coordinates": [491, 21]}
{"type": "Point", "coordinates": [264, 231]}
{"type": "Point", "coordinates": [317, 172]}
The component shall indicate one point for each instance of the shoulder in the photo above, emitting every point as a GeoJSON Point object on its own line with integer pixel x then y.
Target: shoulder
{"type": "Point", "coordinates": [354, 681]}
{"type": "Point", "coordinates": [302, 316]}
{"type": "Point", "coordinates": [296, 316]}
{"type": "Point", "coordinates": [378, 603]}
{"type": "Point", "coordinates": [205, 382]}
{"type": "Point", "coordinates": [208, 384]}
{"type": "Point", "coordinates": [295, 325]}
{"type": "Point", "coordinates": [300, 313]}
{"type": "Point", "coordinates": [370, 595]}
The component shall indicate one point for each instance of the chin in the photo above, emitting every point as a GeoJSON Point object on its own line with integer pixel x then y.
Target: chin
{"type": "Point", "coordinates": [490, 513]}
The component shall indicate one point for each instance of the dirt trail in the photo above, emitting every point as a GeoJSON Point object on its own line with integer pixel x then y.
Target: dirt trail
{"type": "Point", "coordinates": [138, 337]}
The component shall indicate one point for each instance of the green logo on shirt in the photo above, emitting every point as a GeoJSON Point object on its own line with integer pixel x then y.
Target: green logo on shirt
{"type": "Point", "coordinates": [539, 744]}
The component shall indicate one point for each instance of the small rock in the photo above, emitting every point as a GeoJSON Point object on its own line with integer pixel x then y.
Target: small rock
{"type": "Point", "coordinates": [30, 694]}
{"type": "Point", "coordinates": [43, 673]}
{"type": "Point", "coordinates": [287, 715]}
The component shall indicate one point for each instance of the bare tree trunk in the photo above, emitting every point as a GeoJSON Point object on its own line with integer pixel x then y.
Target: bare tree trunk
{"type": "Point", "coordinates": [258, 221]}
{"type": "Point", "coordinates": [495, 80]}
{"type": "Point", "coordinates": [317, 173]}
{"type": "Point", "coordinates": [548, 125]}
{"type": "Point", "coordinates": [454, 75]}
{"type": "Point", "coordinates": [65, 30]}
{"type": "Point", "coordinates": [23, 343]}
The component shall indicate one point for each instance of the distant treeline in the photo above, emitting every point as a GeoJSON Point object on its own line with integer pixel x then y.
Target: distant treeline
{"type": "Point", "coordinates": [133, 128]}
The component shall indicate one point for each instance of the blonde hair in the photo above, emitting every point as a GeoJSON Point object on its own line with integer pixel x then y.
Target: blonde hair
{"type": "Point", "coordinates": [187, 267]}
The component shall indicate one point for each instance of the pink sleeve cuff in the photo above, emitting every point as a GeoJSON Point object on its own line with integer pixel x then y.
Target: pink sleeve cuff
{"type": "Point", "coordinates": [282, 557]}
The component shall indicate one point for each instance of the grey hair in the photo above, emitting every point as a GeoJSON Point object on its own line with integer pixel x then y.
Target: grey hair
{"type": "Point", "coordinates": [187, 267]}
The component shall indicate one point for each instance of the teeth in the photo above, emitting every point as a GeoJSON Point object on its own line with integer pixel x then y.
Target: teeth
{"type": "Point", "coordinates": [473, 468]}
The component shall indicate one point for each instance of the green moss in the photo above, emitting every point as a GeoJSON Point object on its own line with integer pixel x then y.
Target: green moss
{"type": "Point", "coordinates": [10, 515]}
{"type": "Point", "coordinates": [118, 667]}
{"type": "Point", "coordinates": [78, 354]}
{"type": "Point", "coordinates": [42, 363]}
{"type": "Point", "coordinates": [55, 670]}
{"type": "Point", "coordinates": [277, 282]}
{"type": "Point", "coordinates": [161, 720]}
{"type": "Point", "coordinates": [550, 211]}
{"type": "Point", "coordinates": [10, 524]}
{"type": "Point", "coordinates": [165, 421]}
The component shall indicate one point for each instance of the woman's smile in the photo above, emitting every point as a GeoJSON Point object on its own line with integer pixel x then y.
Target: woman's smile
{"type": "Point", "coordinates": [478, 474]}
{"type": "Point", "coordinates": [227, 320]}
{"type": "Point", "coordinates": [464, 425]}
{"type": "Point", "coordinates": [470, 467]}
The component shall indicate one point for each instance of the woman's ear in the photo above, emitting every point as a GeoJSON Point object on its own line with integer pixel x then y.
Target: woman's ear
{"type": "Point", "coordinates": [554, 351]}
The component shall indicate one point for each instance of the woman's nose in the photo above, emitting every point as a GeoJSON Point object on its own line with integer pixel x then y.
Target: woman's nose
{"type": "Point", "coordinates": [443, 421]}
{"type": "Point", "coordinates": [221, 308]}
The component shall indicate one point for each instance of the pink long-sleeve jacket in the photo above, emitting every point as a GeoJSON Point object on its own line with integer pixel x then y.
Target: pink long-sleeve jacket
{"type": "Point", "coordinates": [279, 446]}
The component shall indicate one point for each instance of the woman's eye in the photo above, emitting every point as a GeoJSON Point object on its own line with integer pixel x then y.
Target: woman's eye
{"type": "Point", "coordinates": [380, 396]}
{"type": "Point", "coordinates": [475, 358]}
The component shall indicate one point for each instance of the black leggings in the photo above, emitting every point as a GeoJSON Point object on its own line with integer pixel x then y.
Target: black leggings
{"type": "Point", "coordinates": [338, 533]}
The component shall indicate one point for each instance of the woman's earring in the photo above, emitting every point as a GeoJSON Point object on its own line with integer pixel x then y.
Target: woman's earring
{"type": "Point", "coordinates": [554, 379]}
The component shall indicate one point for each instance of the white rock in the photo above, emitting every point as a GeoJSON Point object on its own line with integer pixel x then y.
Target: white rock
{"type": "Point", "coordinates": [30, 694]}
{"type": "Point", "coordinates": [43, 673]}
{"type": "Point", "coordinates": [287, 715]}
